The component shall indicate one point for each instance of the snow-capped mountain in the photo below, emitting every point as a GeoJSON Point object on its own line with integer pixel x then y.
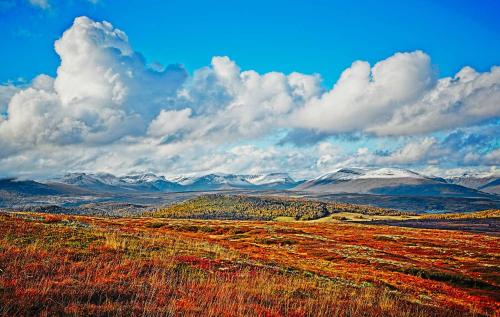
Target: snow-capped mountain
{"type": "Point", "coordinates": [214, 182]}
{"type": "Point", "coordinates": [385, 181]}
{"type": "Point", "coordinates": [152, 182]}
{"type": "Point", "coordinates": [346, 174]}
{"type": "Point", "coordinates": [343, 174]}
{"type": "Point", "coordinates": [489, 183]}
{"type": "Point", "coordinates": [142, 178]}
{"type": "Point", "coordinates": [109, 182]}
{"type": "Point", "coordinates": [390, 173]}
{"type": "Point", "coordinates": [84, 179]}
{"type": "Point", "coordinates": [228, 181]}
{"type": "Point", "coordinates": [98, 181]}
{"type": "Point", "coordinates": [272, 180]}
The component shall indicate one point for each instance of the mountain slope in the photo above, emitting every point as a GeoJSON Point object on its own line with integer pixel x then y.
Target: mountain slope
{"type": "Point", "coordinates": [221, 181]}
{"type": "Point", "coordinates": [385, 181]}
{"type": "Point", "coordinates": [110, 183]}
{"type": "Point", "coordinates": [272, 181]}
{"type": "Point", "coordinates": [150, 182]}
{"type": "Point", "coordinates": [488, 184]}
{"type": "Point", "coordinates": [27, 187]}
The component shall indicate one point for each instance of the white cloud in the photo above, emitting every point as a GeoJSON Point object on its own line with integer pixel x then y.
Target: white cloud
{"type": "Point", "coordinates": [6, 94]}
{"type": "Point", "coordinates": [45, 4]}
{"type": "Point", "coordinates": [229, 104]}
{"type": "Point", "coordinates": [493, 157]}
{"type": "Point", "coordinates": [103, 91]}
{"type": "Point", "coordinates": [168, 122]}
{"type": "Point", "coordinates": [413, 152]}
{"type": "Point", "coordinates": [43, 82]}
{"type": "Point", "coordinates": [467, 99]}
{"type": "Point", "coordinates": [400, 96]}
{"type": "Point", "coordinates": [107, 110]}
{"type": "Point", "coordinates": [42, 4]}
{"type": "Point", "coordinates": [365, 96]}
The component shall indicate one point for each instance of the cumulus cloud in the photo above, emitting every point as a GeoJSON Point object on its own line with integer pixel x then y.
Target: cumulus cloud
{"type": "Point", "coordinates": [103, 91]}
{"type": "Point", "coordinates": [413, 152]}
{"type": "Point", "coordinates": [365, 96]}
{"type": "Point", "coordinates": [229, 103]}
{"type": "Point", "coordinates": [168, 122]}
{"type": "Point", "coordinates": [6, 94]}
{"type": "Point", "coordinates": [107, 109]}
{"type": "Point", "coordinates": [467, 99]}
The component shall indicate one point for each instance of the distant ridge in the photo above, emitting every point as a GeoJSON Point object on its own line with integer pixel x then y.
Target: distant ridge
{"type": "Point", "coordinates": [379, 181]}
{"type": "Point", "coordinates": [485, 183]}
{"type": "Point", "coordinates": [150, 182]}
{"type": "Point", "coordinates": [386, 181]}
{"type": "Point", "coordinates": [110, 183]}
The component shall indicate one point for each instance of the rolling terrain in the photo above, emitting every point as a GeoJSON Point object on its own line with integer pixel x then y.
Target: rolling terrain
{"type": "Point", "coordinates": [249, 255]}
{"type": "Point", "coordinates": [80, 265]}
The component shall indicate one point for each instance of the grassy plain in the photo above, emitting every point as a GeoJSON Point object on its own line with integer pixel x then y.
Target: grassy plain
{"type": "Point", "coordinates": [78, 265]}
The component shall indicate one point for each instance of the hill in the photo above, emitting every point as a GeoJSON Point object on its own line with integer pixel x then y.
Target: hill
{"type": "Point", "coordinates": [246, 207]}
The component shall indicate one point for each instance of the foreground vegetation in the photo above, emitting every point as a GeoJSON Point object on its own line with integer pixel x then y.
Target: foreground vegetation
{"type": "Point", "coordinates": [492, 213]}
{"type": "Point", "coordinates": [241, 207]}
{"type": "Point", "coordinates": [77, 265]}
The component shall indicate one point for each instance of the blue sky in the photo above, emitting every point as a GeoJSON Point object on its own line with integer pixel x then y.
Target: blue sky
{"type": "Point", "coordinates": [183, 87]}
{"type": "Point", "coordinates": [305, 36]}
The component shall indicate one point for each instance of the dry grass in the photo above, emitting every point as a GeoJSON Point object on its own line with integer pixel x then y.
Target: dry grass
{"type": "Point", "coordinates": [492, 213]}
{"type": "Point", "coordinates": [357, 217]}
{"type": "Point", "coordinates": [76, 265]}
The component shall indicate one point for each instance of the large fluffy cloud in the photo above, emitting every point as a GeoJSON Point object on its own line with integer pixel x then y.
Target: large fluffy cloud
{"type": "Point", "coordinates": [107, 109]}
{"type": "Point", "coordinates": [230, 104]}
{"type": "Point", "coordinates": [365, 97]}
{"type": "Point", "coordinates": [103, 92]}
{"type": "Point", "coordinates": [401, 96]}
{"type": "Point", "coordinates": [467, 99]}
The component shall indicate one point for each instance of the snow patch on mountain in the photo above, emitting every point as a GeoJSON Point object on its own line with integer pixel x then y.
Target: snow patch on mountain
{"type": "Point", "coordinates": [272, 178]}
{"type": "Point", "coordinates": [342, 174]}
{"type": "Point", "coordinates": [391, 173]}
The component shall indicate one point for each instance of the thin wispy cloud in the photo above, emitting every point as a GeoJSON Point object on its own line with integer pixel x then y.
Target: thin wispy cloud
{"type": "Point", "coordinates": [42, 4]}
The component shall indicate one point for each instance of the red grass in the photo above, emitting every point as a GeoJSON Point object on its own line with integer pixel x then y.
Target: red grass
{"type": "Point", "coordinates": [53, 265]}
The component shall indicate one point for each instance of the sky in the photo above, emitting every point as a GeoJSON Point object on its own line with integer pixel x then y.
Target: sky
{"type": "Point", "coordinates": [194, 87]}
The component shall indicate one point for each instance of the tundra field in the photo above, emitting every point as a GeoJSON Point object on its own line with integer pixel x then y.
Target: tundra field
{"type": "Point", "coordinates": [326, 265]}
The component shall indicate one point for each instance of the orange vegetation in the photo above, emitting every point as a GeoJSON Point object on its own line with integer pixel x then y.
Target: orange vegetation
{"type": "Point", "coordinates": [77, 265]}
{"type": "Point", "coordinates": [491, 213]}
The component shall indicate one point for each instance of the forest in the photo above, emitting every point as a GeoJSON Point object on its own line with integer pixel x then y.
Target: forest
{"type": "Point", "coordinates": [245, 207]}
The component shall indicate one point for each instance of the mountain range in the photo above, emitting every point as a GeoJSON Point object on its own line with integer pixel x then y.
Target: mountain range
{"type": "Point", "coordinates": [488, 184]}
{"type": "Point", "coordinates": [382, 181]}
{"type": "Point", "coordinates": [152, 183]}
{"type": "Point", "coordinates": [399, 182]}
